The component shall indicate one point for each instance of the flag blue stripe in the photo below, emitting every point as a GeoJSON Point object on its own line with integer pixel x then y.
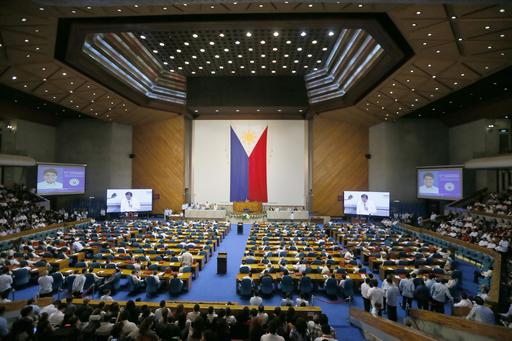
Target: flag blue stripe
{"type": "Point", "coordinates": [239, 177]}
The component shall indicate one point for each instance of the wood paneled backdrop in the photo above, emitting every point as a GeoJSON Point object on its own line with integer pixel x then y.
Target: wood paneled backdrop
{"type": "Point", "coordinates": [159, 161]}
{"type": "Point", "coordinates": [339, 163]}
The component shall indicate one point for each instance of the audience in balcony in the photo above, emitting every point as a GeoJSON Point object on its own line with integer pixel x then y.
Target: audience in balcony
{"type": "Point", "coordinates": [19, 211]}
{"type": "Point", "coordinates": [490, 234]}
{"type": "Point", "coordinates": [494, 203]}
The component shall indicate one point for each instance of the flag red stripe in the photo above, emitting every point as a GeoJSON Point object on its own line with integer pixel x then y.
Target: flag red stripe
{"type": "Point", "coordinates": [258, 170]}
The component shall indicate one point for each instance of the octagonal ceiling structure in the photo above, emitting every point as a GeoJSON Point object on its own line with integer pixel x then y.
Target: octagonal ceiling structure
{"type": "Point", "coordinates": [336, 58]}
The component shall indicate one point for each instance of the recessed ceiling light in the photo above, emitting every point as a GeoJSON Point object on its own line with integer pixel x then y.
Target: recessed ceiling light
{"type": "Point", "coordinates": [262, 42]}
{"type": "Point", "coordinates": [260, 6]}
{"type": "Point", "coordinates": [252, 71]}
{"type": "Point", "coordinates": [273, 71]}
{"type": "Point", "coordinates": [212, 43]}
{"type": "Point", "coordinates": [14, 78]}
{"type": "Point", "coordinates": [284, 66]}
{"type": "Point", "coordinates": [202, 50]}
{"type": "Point", "coordinates": [237, 110]}
{"type": "Point", "coordinates": [502, 10]}
{"type": "Point", "coordinates": [23, 19]}
{"type": "Point", "coordinates": [302, 34]}
{"type": "Point", "coordinates": [319, 61]}
{"type": "Point", "coordinates": [314, 42]}
{"type": "Point", "coordinates": [41, 8]}
{"type": "Point", "coordinates": [299, 49]}
{"type": "Point", "coordinates": [360, 5]}
{"type": "Point", "coordinates": [310, 5]}
{"type": "Point", "coordinates": [195, 35]}
{"type": "Point", "coordinates": [262, 56]}
{"type": "Point", "coordinates": [276, 34]}
{"type": "Point", "coordinates": [155, 51]}
{"type": "Point", "coordinates": [454, 17]}
{"type": "Point", "coordinates": [418, 12]}
{"type": "Point", "coordinates": [279, 110]}
{"type": "Point", "coordinates": [487, 27]}
{"type": "Point", "coordinates": [248, 34]}
{"type": "Point", "coordinates": [119, 10]}
{"type": "Point", "coordinates": [136, 6]}
{"type": "Point", "coordinates": [186, 43]}
{"type": "Point", "coordinates": [286, 55]}
{"type": "Point", "coordinates": [242, 67]}
{"type": "Point", "coordinates": [413, 25]}
{"type": "Point", "coordinates": [178, 50]}
{"type": "Point", "coordinates": [324, 48]}
{"type": "Point", "coordinates": [161, 44]}
{"type": "Point", "coordinates": [237, 42]}
{"type": "Point", "coordinates": [330, 34]}
{"type": "Point", "coordinates": [239, 56]}
{"type": "Point", "coordinates": [221, 35]}
{"type": "Point", "coordinates": [142, 36]}
{"type": "Point", "coordinates": [64, 74]}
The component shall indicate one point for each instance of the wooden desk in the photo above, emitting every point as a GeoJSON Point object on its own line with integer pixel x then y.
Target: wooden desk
{"type": "Point", "coordinates": [251, 206]}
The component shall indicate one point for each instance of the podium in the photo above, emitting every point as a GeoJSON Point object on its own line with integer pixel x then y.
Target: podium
{"type": "Point", "coordinates": [240, 228]}
{"type": "Point", "coordinates": [222, 263]}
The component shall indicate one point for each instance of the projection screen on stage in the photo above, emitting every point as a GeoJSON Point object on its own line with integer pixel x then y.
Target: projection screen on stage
{"type": "Point", "coordinates": [254, 160]}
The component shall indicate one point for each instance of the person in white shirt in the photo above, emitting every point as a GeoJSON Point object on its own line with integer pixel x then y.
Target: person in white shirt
{"type": "Point", "coordinates": [57, 316]}
{"type": "Point", "coordinates": [106, 297]}
{"type": "Point", "coordinates": [326, 334]}
{"type": "Point", "coordinates": [301, 301]}
{"type": "Point", "coordinates": [366, 206]}
{"type": "Point", "coordinates": [194, 314]}
{"type": "Point", "coordinates": [376, 297]}
{"type": "Point", "coordinates": [77, 246]}
{"type": "Point", "coordinates": [503, 246]}
{"type": "Point", "coordinates": [50, 180]}
{"type": "Point", "coordinates": [428, 184]}
{"type": "Point", "coordinates": [255, 299]}
{"type": "Point", "coordinates": [465, 302]}
{"type": "Point", "coordinates": [481, 313]}
{"type": "Point", "coordinates": [364, 293]}
{"type": "Point", "coordinates": [129, 203]}
{"type": "Point", "coordinates": [287, 301]}
{"type": "Point", "coordinates": [5, 283]}
{"type": "Point", "coordinates": [45, 284]}
{"type": "Point", "coordinates": [187, 258]}
{"type": "Point", "coordinates": [78, 284]}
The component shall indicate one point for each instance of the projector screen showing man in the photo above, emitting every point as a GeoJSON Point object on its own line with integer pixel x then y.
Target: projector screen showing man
{"type": "Point", "coordinates": [50, 180]}
{"type": "Point", "coordinates": [129, 203]}
{"type": "Point", "coordinates": [366, 206]}
{"type": "Point", "coordinates": [428, 184]}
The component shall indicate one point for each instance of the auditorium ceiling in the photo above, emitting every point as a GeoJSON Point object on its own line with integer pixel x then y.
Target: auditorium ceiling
{"type": "Point", "coordinates": [414, 55]}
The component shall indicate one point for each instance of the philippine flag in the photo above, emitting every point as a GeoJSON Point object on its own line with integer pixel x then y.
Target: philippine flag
{"type": "Point", "coordinates": [248, 177]}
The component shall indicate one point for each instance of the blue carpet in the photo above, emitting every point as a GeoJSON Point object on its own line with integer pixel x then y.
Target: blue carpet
{"type": "Point", "coordinates": [212, 287]}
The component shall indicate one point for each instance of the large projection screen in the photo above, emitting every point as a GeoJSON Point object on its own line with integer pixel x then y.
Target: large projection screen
{"type": "Point", "coordinates": [286, 159]}
{"type": "Point", "coordinates": [60, 178]}
{"type": "Point", "coordinates": [366, 203]}
{"type": "Point", "coordinates": [129, 200]}
{"type": "Point", "coordinates": [442, 183]}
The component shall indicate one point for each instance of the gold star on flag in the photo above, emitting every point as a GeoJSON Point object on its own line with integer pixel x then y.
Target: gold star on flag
{"type": "Point", "coordinates": [249, 137]}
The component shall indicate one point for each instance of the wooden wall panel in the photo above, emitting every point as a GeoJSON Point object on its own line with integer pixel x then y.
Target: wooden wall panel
{"type": "Point", "coordinates": [159, 161]}
{"type": "Point", "coordinates": [339, 163]}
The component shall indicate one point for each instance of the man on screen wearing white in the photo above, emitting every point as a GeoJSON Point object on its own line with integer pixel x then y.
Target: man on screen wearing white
{"type": "Point", "coordinates": [365, 206]}
{"type": "Point", "coordinates": [50, 180]}
{"type": "Point", "coordinates": [129, 203]}
{"type": "Point", "coordinates": [428, 184]}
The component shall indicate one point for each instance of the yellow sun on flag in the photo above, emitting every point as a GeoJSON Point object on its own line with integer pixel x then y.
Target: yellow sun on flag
{"type": "Point", "coordinates": [249, 137]}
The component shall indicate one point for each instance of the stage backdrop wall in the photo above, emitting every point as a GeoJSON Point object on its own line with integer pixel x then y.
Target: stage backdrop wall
{"type": "Point", "coordinates": [217, 180]}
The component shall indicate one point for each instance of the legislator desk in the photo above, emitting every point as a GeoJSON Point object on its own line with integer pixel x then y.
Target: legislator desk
{"type": "Point", "coordinates": [205, 214]}
{"type": "Point", "coordinates": [251, 206]}
{"type": "Point", "coordinates": [287, 215]}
